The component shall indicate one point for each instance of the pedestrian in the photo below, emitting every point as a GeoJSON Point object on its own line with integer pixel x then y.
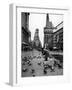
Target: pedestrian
{"type": "Point", "coordinates": [46, 56]}
{"type": "Point", "coordinates": [45, 71]}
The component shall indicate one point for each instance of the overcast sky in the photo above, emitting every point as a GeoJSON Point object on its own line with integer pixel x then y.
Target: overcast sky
{"type": "Point", "coordinates": [39, 21]}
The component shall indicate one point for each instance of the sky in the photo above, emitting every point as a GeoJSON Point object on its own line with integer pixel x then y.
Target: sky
{"type": "Point", "coordinates": [39, 21]}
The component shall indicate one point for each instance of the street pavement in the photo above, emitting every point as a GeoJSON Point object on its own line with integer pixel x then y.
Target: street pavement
{"type": "Point", "coordinates": [37, 65]}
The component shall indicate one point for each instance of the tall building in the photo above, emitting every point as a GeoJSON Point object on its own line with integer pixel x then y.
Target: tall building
{"type": "Point", "coordinates": [58, 37]}
{"type": "Point", "coordinates": [25, 33]}
{"type": "Point", "coordinates": [48, 34]}
{"type": "Point", "coordinates": [36, 41]}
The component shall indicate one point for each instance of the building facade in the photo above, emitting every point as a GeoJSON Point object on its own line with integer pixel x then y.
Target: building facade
{"type": "Point", "coordinates": [25, 33]}
{"type": "Point", "coordinates": [58, 37]}
{"type": "Point", "coordinates": [36, 42]}
{"type": "Point", "coordinates": [53, 36]}
{"type": "Point", "coordinates": [48, 34]}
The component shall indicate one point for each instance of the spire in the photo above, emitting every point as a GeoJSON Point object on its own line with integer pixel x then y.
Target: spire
{"type": "Point", "coordinates": [36, 41]}
{"type": "Point", "coordinates": [47, 20]}
{"type": "Point", "coordinates": [36, 36]}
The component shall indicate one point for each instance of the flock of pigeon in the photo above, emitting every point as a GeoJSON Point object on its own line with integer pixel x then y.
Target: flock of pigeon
{"type": "Point", "coordinates": [50, 64]}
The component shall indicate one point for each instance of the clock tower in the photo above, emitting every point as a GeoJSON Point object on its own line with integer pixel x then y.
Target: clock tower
{"type": "Point", "coordinates": [36, 41]}
{"type": "Point", "coordinates": [48, 33]}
